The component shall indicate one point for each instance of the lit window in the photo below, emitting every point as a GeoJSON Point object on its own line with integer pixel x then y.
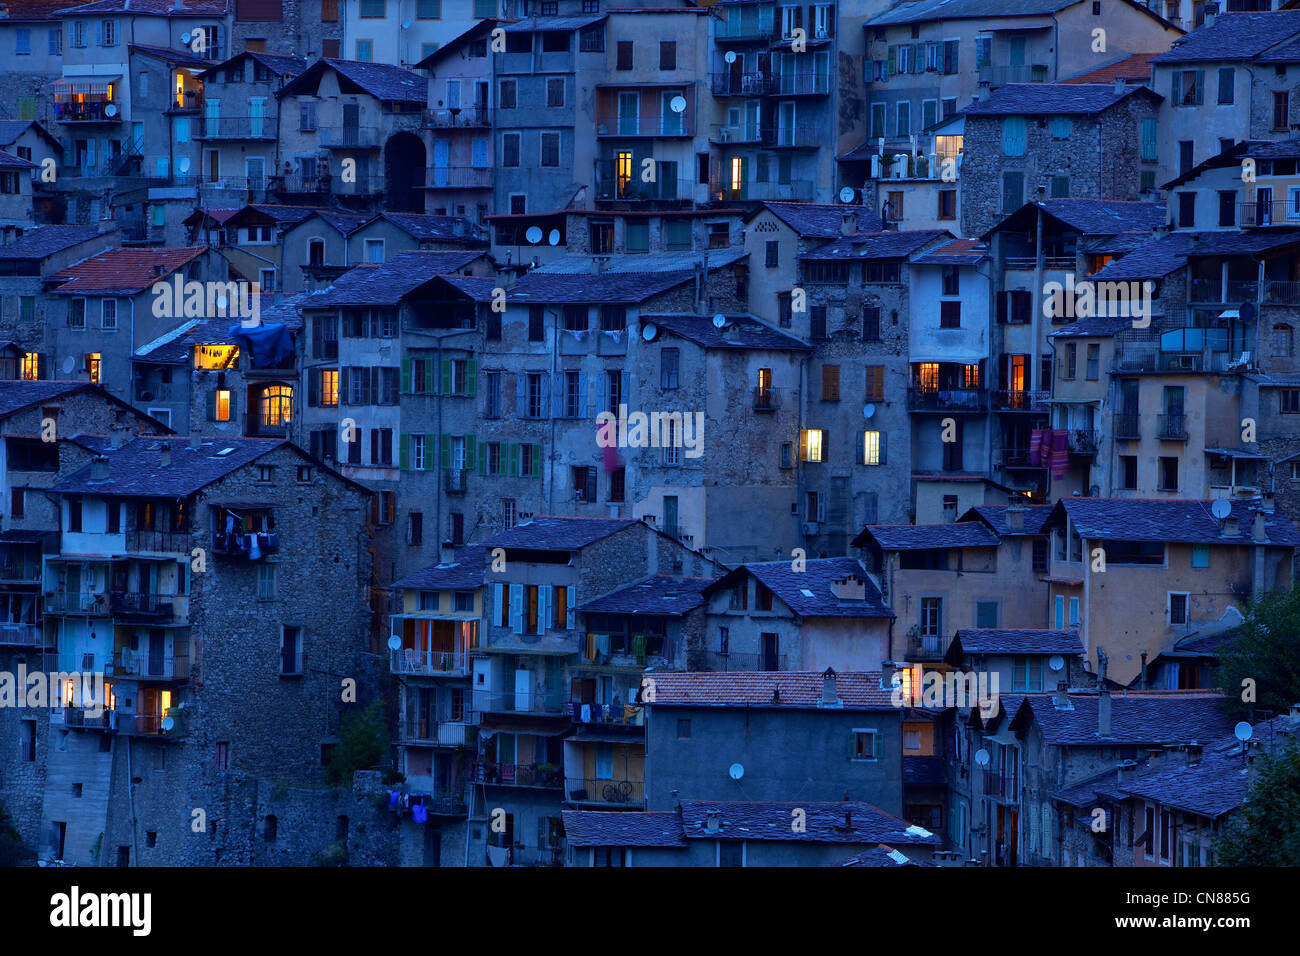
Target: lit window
{"type": "Point", "coordinates": [31, 366]}
{"type": "Point", "coordinates": [221, 409]}
{"type": "Point", "coordinates": [871, 448]}
{"type": "Point", "coordinates": [93, 367]}
{"type": "Point", "coordinates": [329, 386]}
{"type": "Point", "coordinates": [277, 403]}
{"type": "Point", "coordinates": [812, 442]}
{"type": "Point", "coordinates": [215, 356]}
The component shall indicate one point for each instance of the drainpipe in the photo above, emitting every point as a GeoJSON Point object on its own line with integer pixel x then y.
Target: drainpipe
{"type": "Point", "coordinates": [1036, 360]}
{"type": "Point", "coordinates": [798, 459]}
{"type": "Point", "coordinates": [555, 357]}
{"type": "Point", "coordinates": [437, 498]}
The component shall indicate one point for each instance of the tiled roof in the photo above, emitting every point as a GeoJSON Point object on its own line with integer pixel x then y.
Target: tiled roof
{"type": "Point", "coordinates": [921, 771]}
{"type": "Point", "coordinates": [959, 252]}
{"type": "Point", "coordinates": [558, 533]}
{"type": "Point", "coordinates": [534, 24]}
{"type": "Point", "coordinates": [882, 856]}
{"type": "Point", "coordinates": [478, 288]}
{"type": "Point", "coordinates": [46, 241]}
{"type": "Point", "coordinates": [641, 262]}
{"type": "Point", "coordinates": [421, 226]}
{"type": "Point", "coordinates": [125, 271]}
{"type": "Point", "coordinates": [1152, 260]}
{"type": "Point", "coordinates": [859, 690]}
{"type": "Point", "coordinates": [1216, 785]}
{"type": "Point", "coordinates": [920, 11]}
{"type": "Point", "coordinates": [1233, 36]}
{"type": "Point", "coordinates": [849, 822]}
{"type": "Point", "coordinates": [824, 220]}
{"type": "Point", "coordinates": [1176, 520]}
{"type": "Point", "coordinates": [465, 573]}
{"type": "Point", "coordinates": [998, 640]}
{"type": "Point", "coordinates": [17, 394]}
{"type": "Point", "coordinates": [387, 283]}
{"type": "Point", "coordinates": [659, 594]}
{"type": "Point", "coordinates": [544, 287]}
{"type": "Point", "coordinates": [742, 332]}
{"type": "Point", "coordinates": [893, 244]}
{"type": "Point", "coordinates": [384, 81]}
{"type": "Point", "coordinates": [345, 223]}
{"type": "Point", "coordinates": [283, 213]}
{"type": "Point", "coordinates": [1134, 66]}
{"type": "Point", "coordinates": [160, 8]}
{"type": "Point", "coordinates": [1136, 718]}
{"type": "Point", "coordinates": [918, 537]}
{"type": "Point", "coordinates": [996, 517]}
{"type": "Point", "coordinates": [1056, 99]}
{"type": "Point", "coordinates": [181, 57]}
{"type": "Point", "coordinates": [10, 161]}
{"type": "Point", "coordinates": [639, 828]}
{"type": "Point", "coordinates": [1095, 326]}
{"type": "Point", "coordinates": [1106, 217]}
{"type": "Point", "coordinates": [279, 63]}
{"type": "Point", "coordinates": [10, 130]}
{"type": "Point", "coordinates": [137, 469]}
{"type": "Point", "coordinates": [34, 9]}
{"type": "Point", "coordinates": [809, 592]}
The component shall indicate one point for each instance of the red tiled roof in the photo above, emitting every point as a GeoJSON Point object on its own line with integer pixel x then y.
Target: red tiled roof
{"type": "Point", "coordinates": [857, 689]}
{"type": "Point", "coordinates": [125, 270]}
{"type": "Point", "coordinates": [1135, 66]}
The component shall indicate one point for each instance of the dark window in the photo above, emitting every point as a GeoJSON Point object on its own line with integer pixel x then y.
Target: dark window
{"type": "Point", "coordinates": [817, 322]}
{"type": "Point", "coordinates": [950, 315]}
{"type": "Point", "coordinates": [1227, 207]}
{"type": "Point", "coordinates": [624, 55]}
{"type": "Point", "coordinates": [1186, 210]}
{"type": "Point", "coordinates": [617, 484]}
{"type": "Point", "coordinates": [667, 55]}
{"type": "Point", "coordinates": [1281, 111]}
{"type": "Point", "coordinates": [536, 323]}
{"type": "Point", "coordinates": [1185, 154]}
{"type": "Point", "coordinates": [871, 323]}
{"type": "Point", "coordinates": [74, 515]}
{"type": "Point", "coordinates": [669, 362]}
{"type": "Point", "coordinates": [947, 204]}
{"type": "Point", "coordinates": [773, 254]}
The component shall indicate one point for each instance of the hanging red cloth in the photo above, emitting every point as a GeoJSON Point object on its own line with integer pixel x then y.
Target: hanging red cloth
{"type": "Point", "coordinates": [1036, 446]}
{"type": "Point", "coordinates": [1060, 456]}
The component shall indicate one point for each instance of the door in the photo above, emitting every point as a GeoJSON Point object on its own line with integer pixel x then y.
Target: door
{"type": "Point", "coordinates": [156, 647]}
{"type": "Point", "coordinates": [1128, 391]}
{"type": "Point", "coordinates": [671, 121]}
{"type": "Point", "coordinates": [786, 134]}
{"type": "Point", "coordinates": [255, 170]}
{"type": "Point", "coordinates": [523, 691]}
{"type": "Point", "coordinates": [1016, 51]}
{"type": "Point", "coordinates": [441, 162]}
{"type": "Point", "coordinates": [214, 165]}
{"type": "Point", "coordinates": [351, 124]}
{"type": "Point", "coordinates": [256, 116]}
{"type": "Point", "coordinates": [734, 73]}
{"type": "Point", "coordinates": [771, 652]}
{"type": "Point", "coordinates": [629, 110]}
{"type": "Point", "coordinates": [670, 515]}
{"type": "Point", "coordinates": [137, 138]}
{"type": "Point", "coordinates": [1264, 206]}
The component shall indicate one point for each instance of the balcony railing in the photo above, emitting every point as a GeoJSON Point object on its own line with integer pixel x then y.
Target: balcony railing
{"type": "Point", "coordinates": [155, 391]}
{"type": "Point", "coordinates": [79, 719]}
{"type": "Point", "coordinates": [1084, 441]}
{"type": "Point", "coordinates": [20, 571]}
{"type": "Point", "coordinates": [76, 602]}
{"type": "Point", "coordinates": [738, 84]}
{"type": "Point", "coordinates": [1050, 263]}
{"type": "Point", "coordinates": [799, 190]}
{"type": "Point", "coordinates": [748, 662]}
{"type": "Point", "coordinates": [237, 127]}
{"type": "Point", "coordinates": [1171, 427]}
{"type": "Point", "coordinates": [236, 545]}
{"type": "Point", "coordinates": [1276, 213]}
{"type": "Point", "coordinates": [634, 190]}
{"type": "Point", "coordinates": [926, 647]}
{"type": "Point", "coordinates": [456, 481]}
{"type": "Point", "coordinates": [1215, 290]}
{"type": "Point", "coordinates": [298, 184]}
{"type": "Point", "coordinates": [544, 776]}
{"type": "Point", "coordinates": [462, 118]}
{"type": "Point", "coordinates": [444, 733]}
{"type": "Point", "coordinates": [343, 137]}
{"type": "Point", "coordinates": [1278, 292]}
{"type": "Point", "coordinates": [1018, 458]}
{"type": "Point", "coordinates": [996, 76]}
{"type": "Point", "coordinates": [947, 399]}
{"type": "Point", "coordinates": [21, 635]}
{"type": "Point", "coordinates": [796, 137]}
{"type": "Point", "coordinates": [93, 111]}
{"type": "Point", "coordinates": [459, 177]}
{"type": "Point", "coordinates": [740, 133]}
{"type": "Point", "coordinates": [675, 124]}
{"type": "Point", "coordinates": [129, 663]}
{"type": "Point", "coordinates": [766, 400]}
{"type": "Point", "coordinates": [801, 83]}
{"type": "Point", "coordinates": [409, 660]}
{"type": "Point", "coordinates": [615, 793]}
{"type": "Point", "coordinates": [1019, 400]}
{"type": "Point", "coordinates": [551, 703]}
{"type": "Point", "coordinates": [1000, 787]}
{"type": "Point", "coordinates": [145, 725]}
{"type": "Point", "coordinates": [160, 607]}
{"type": "Point", "coordinates": [187, 101]}
{"type": "Point", "coordinates": [1127, 426]}
{"type": "Point", "coordinates": [158, 542]}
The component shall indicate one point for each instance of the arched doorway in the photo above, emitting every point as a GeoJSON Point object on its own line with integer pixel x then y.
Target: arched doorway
{"type": "Point", "coordinates": [404, 173]}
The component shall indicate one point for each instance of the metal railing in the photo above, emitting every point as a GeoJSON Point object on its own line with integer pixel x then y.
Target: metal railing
{"type": "Point", "coordinates": [800, 83]}
{"type": "Point", "coordinates": [298, 183]}
{"type": "Point", "coordinates": [76, 602]}
{"type": "Point", "coordinates": [998, 75]}
{"type": "Point", "coordinates": [747, 662]}
{"type": "Point", "coordinates": [634, 190]}
{"type": "Point", "coordinates": [20, 571]}
{"type": "Point", "coordinates": [796, 137]}
{"type": "Point", "coordinates": [237, 127]}
{"type": "Point", "coordinates": [1084, 441]}
{"type": "Point", "coordinates": [551, 702]}
{"type": "Point", "coordinates": [1171, 427]}
{"type": "Point", "coordinates": [148, 725]}
{"type": "Point", "coordinates": [444, 733]}
{"type": "Point", "coordinates": [459, 177]}
{"type": "Point", "coordinates": [766, 399]}
{"type": "Point", "coordinates": [341, 137]}
{"type": "Point", "coordinates": [675, 124]}
{"type": "Point", "coordinates": [456, 481]}
{"type": "Point", "coordinates": [738, 84]}
{"type": "Point", "coordinates": [1278, 212]}
{"type": "Point", "coordinates": [544, 776]}
{"type": "Point", "coordinates": [409, 660]}
{"type": "Point", "coordinates": [459, 118]}
{"type": "Point", "coordinates": [799, 190]}
{"type": "Point", "coordinates": [78, 718]}
{"type": "Point", "coordinates": [1215, 290]}
{"type": "Point", "coordinates": [999, 786]}
{"type": "Point", "coordinates": [1127, 426]}
{"type": "Point", "coordinates": [92, 111]}
{"type": "Point", "coordinates": [947, 399]}
{"type": "Point", "coordinates": [21, 635]}
{"type": "Point", "coordinates": [1028, 263]}
{"type": "Point", "coordinates": [619, 793]}
{"type": "Point", "coordinates": [1019, 400]}
{"type": "Point", "coordinates": [926, 646]}
{"type": "Point", "coordinates": [129, 663]}
{"type": "Point", "coordinates": [164, 542]}
{"type": "Point", "coordinates": [142, 604]}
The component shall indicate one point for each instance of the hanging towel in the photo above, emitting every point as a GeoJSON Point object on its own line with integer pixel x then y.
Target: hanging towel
{"type": "Point", "coordinates": [254, 552]}
{"type": "Point", "coordinates": [498, 855]}
{"type": "Point", "coordinates": [1060, 458]}
{"type": "Point", "coordinates": [586, 713]}
{"type": "Point", "coordinates": [419, 814]}
{"type": "Point", "coordinates": [597, 711]}
{"type": "Point", "coordinates": [591, 647]}
{"type": "Point", "coordinates": [602, 644]}
{"type": "Point", "coordinates": [638, 645]}
{"type": "Point", "coordinates": [1036, 446]}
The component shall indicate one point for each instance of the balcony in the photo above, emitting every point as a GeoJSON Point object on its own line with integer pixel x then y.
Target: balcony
{"type": "Point", "coordinates": [542, 776]}
{"type": "Point", "coordinates": [801, 83]}
{"type": "Point", "coordinates": [76, 602]}
{"type": "Point", "coordinates": [1216, 291]}
{"type": "Point", "coordinates": [926, 647]}
{"type": "Point", "coordinates": [443, 733]}
{"type": "Point", "coordinates": [612, 125]}
{"type": "Point", "coordinates": [799, 190]}
{"type": "Point", "coordinates": [140, 604]}
{"type": "Point", "coordinates": [237, 128]}
{"type": "Point", "coordinates": [747, 662]}
{"type": "Point", "coordinates": [1018, 458]}
{"type": "Point", "coordinates": [91, 111]}
{"type": "Point", "coordinates": [1084, 441]}
{"type": "Point", "coordinates": [1126, 426]}
{"type": "Point", "coordinates": [997, 76]}
{"type": "Point", "coordinates": [146, 725]}
{"type": "Point", "coordinates": [1050, 263]}
{"type": "Point", "coordinates": [413, 662]}
{"type": "Point", "coordinates": [1278, 292]}
{"type": "Point", "coordinates": [20, 571]}
{"type": "Point", "coordinates": [766, 399]}
{"type": "Point", "coordinates": [1171, 427]}
{"type": "Point", "coordinates": [947, 399]}
{"type": "Point", "coordinates": [459, 177]}
{"type": "Point", "coordinates": [548, 704]}
{"type": "Point", "coordinates": [473, 117]}
{"type": "Point", "coordinates": [349, 137]}
{"type": "Point", "coordinates": [254, 427]}
{"type": "Point", "coordinates": [297, 184]}
{"type": "Point", "coordinates": [1019, 400]}
{"type": "Point", "coordinates": [1275, 213]}
{"type": "Point", "coordinates": [77, 718]}
{"type": "Point", "coordinates": [158, 542]}
{"type": "Point", "coordinates": [156, 391]}
{"type": "Point", "coordinates": [144, 666]}
{"type": "Point", "coordinates": [796, 137]}
{"type": "Point", "coordinates": [235, 545]}
{"type": "Point", "coordinates": [738, 84]}
{"type": "Point", "coordinates": [612, 189]}
{"type": "Point", "coordinates": [21, 635]}
{"type": "Point", "coordinates": [187, 101]}
{"type": "Point", "coordinates": [1000, 787]}
{"type": "Point", "coordinates": [741, 133]}
{"type": "Point", "coordinates": [627, 794]}
{"type": "Point", "coordinates": [456, 481]}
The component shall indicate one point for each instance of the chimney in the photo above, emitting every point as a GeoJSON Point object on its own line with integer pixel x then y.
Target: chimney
{"type": "Point", "coordinates": [887, 671]}
{"type": "Point", "coordinates": [1258, 531]}
{"type": "Point", "coordinates": [1143, 684]}
{"type": "Point", "coordinates": [446, 553]}
{"type": "Point", "coordinates": [1229, 527]}
{"type": "Point", "coordinates": [1124, 771]}
{"type": "Point", "coordinates": [165, 454]}
{"type": "Point", "coordinates": [830, 698]}
{"type": "Point", "coordinates": [1293, 719]}
{"type": "Point", "coordinates": [713, 821]}
{"type": "Point", "coordinates": [848, 224]}
{"type": "Point", "coordinates": [1120, 86]}
{"type": "Point", "coordinates": [1268, 502]}
{"type": "Point", "coordinates": [195, 440]}
{"type": "Point", "coordinates": [1061, 701]}
{"type": "Point", "coordinates": [848, 818]}
{"type": "Point", "coordinates": [117, 437]}
{"type": "Point", "coordinates": [1155, 756]}
{"type": "Point", "coordinates": [1016, 515]}
{"type": "Point", "coordinates": [99, 468]}
{"type": "Point", "coordinates": [1103, 713]}
{"type": "Point", "coordinates": [851, 588]}
{"type": "Point", "coordinates": [1193, 753]}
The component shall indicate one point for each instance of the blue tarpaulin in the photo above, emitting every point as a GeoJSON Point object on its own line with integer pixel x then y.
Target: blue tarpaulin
{"type": "Point", "coordinates": [267, 346]}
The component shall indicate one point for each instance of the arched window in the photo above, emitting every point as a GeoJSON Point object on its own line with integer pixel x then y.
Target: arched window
{"type": "Point", "coordinates": [276, 405]}
{"type": "Point", "coordinates": [1283, 341]}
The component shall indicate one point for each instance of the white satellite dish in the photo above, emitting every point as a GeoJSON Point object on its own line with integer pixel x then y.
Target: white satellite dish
{"type": "Point", "coordinates": [69, 364]}
{"type": "Point", "coordinates": [533, 235]}
{"type": "Point", "coordinates": [1221, 508]}
{"type": "Point", "coordinates": [394, 643]}
{"type": "Point", "coordinates": [730, 56]}
{"type": "Point", "coordinates": [648, 332]}
{"type": "Point", "coordinates": [185, 38]}
{"type": "Point", "coordinates": [736, 771]}
{"type": "Point", "coordinates": [183, 164]}
{"type": "Point", "coordinates": [677, 104]}
{"type": "Point", "coordinates": [1243, 731]}
{"type": "Point", "coordinates": [168, 723]}
{"type": "Point", "coordinates": [1056, 662]}
{"type": "Point", "coordinates": [868, 410]}
{"type": "Point", "coordinates": [719, 321]}
{"type": "Point", "coordinates": [554, 238]}
{"type": "Point", "coordinates": [982, 757]}
{"type": "Point", "coordinates": [846, 194]}
{"type": "Point", "coordinates": [406, 24]}
{"type": "Point", "coordinates": [110, 110]}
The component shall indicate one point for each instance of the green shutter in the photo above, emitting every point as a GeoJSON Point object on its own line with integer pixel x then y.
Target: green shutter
{"type": "Point", "coordinates": [1200, 87]}
{"type": "Point", "coordinates": [406, 376]}
{"type": "Point", "coordinates": [405, 452]}
{"type": "Point", "coordinates": [537, 461]}
{"type": "Point", "coordinates": [471, 377]}
{"type": "Point", "coordinates": [853, 741]}
{"type": "Point", "coordinates": [470, 449]}
{"type": "Point", "coordinates": [430, 377]}
{"type": "Point", "coordinates": [234, 405]}
{"type": "Point", "coordinates": [1175, 87]}
{"type": "Point", "coordinates": [893, 60]}
{"type": "Point", "coordinates": [446, 451]}
{"type": "Point", "coordinates": [512, 466]}
{"type": "Point", "coordinates": [447, 380]}
{"type": "Point", "coordinates": [877, 746]}
{"type": "Point", "coordinates": [212, 405]}
{"type": "Point", "coordinates": [430, 450]}
{"type": "Point", "coordinates": [482, 459]}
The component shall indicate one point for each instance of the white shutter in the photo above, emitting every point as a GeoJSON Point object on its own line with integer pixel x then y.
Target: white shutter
{"type": "Point", "coordinates": [543, 608]}
{"type": "Point", "coordinates": [517, 609]}
{"type": "Point", "coordinates": [496, 605]}
{"type": "Point", "coordinates": [569, 621]}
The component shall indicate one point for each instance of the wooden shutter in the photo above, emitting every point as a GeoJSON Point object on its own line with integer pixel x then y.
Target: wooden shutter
{"type": "Point", "coordinates": [570, 600]}
{"type": "Point", "coordinates": [470, 450]}
{"type": "Point", "coordinates": [404, 454]}
{"type": "Point", "coordinates": [430, 451]}
{"type": "Point", "coordinates": [447, 379]}
{"type": "Point", "coordinates": [537, 461]}
{"type": "Point", "coordinates": [496, 605]}
{"type": "Point", "coordinates": [406, 376]}
{"type": "Point", "coordinates": [430, 376]}
{"type": "Point", "coordinates": [445, 441]}
{"type": "Point", "coordinates": [313, 387]}
{"type": "Point", "coordinates": [590, 492]}
{"type": "Point", "coordinates": [471, 377]}
{"type": "Point", "coordinates": [517, 610]}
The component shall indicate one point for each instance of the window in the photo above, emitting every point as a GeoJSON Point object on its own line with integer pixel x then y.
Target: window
{"type": "Point", "coordinates": [1289, 401]}
{"type": "Point", "coordinates": [31, 370]}
{"type": "Point", "coordinates": [291, 651]}
{"type": "Point", "coordinates": [1013, 190]}
{"type": "Point", "coordinates": [1013, 136]}
{"type": "Point", "coordinates": [1187, 87]}
{"type": "Point", "coordinates": [365, 51]}
{"type": "Point", "coordinates": [108, 315]}
{"type": "Point", "coordinates": [1061, 127]}
{"type": "Point", "coordinates": [637, 237]}
{"type": "Point", "coordinates": [931, 622]}
{"type": "Point", "coordinates": [1227, 208]}
{"type": "Point", "coordinates": [1027, 674]}
{"type": "Point", "coordinates": [1186, 210]}
{"type": "Point", "coordinates": [624, 55]}
{"type": "Point", "coordinates": [865, 745]}
{"type": "Point", "coordinates": [1200, 555]}
{"type": "Point", "coordinates": [903, 118]}
{"type": "Point", "coordinates": [1177, 608]}
{"type": "Point", "coordinates": [617, 484]}
{"type": "Point", "coordinates": [1094, 362]}
{"type": "Point", "coordinates": [812, 445]}
{"type": "Point", "coordinates": [667, 55]}
{"type": "Point", "coordinates": [669, 362]}
{"type": "Point", "coordinates": [1071, 361]}
{"type": "Point", "coordinates": [221, 405]}
{"type": "Point", "coordinates": [773, 254]}
{"type": "Point", "coordinates": [76, 313]}
{"type": "Point", "coordinates": [950, 314]}
{"type": "Point", "coordinates": [1168, 473]}
{"type": "Point", "coordinates": [550, 149]}
{"type": "Point", "coordinates": [414, 527]}
{"type": "Point", "coordinates": [1227, 78]}
{"type": "Point", "coordinates": [1281, 111]}
{"type": "Point", "coordinates": [1128, 472]}
{"type": "Point", "coordinates": [1283, 341]}
{"type": "Point", "coordinates": [533, 395]}
{"type": "Point", "coordinates": [555, 92]}
{"type": "Point", "coordinates": [266, 582]}
{"type": "Point", "coordinates": [507, 96]}
{"type": "Point", "coordinates": [830, 383]}
{"type": "Point", "coordinates": [1150, 140]}
{"type": "Point", "coordinates": [108, 33]}
{"type": "Point", "coordinates": [875, 383]}
{"type": "Point", "coordinates": [873, 448]}
{"type": "Point", "coordinates": [683, 729]}
{"type": "Point", "coordinates": [93, 367]}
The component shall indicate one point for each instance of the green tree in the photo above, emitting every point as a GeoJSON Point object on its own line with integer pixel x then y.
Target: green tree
{"type": "Point", "coordinates": [1266, 830]}
{"type": "Point", "coordinates": [363, 742]}
{"type": "Point", "coordinates": [12, 851]}
{"type": "Point", "coordinates": [1266, 652]}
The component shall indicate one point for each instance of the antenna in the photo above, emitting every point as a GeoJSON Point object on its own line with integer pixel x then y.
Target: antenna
{"type": "Point", "coordinates": [394, 643]}
{"type": "Point", "coordinates": [554, 238]}
{"type": "Point", "coordinates": [868, 410]}
{"type": "Point", "coordinates": [846, 194]}
{"type": "Point", "coordinates": [648, 332]}
{"type": "Point", "coordinates": [982, 757]}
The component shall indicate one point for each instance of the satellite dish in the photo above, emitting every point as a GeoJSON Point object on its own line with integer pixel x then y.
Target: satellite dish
{"type": "Point", "coordinates": [69, 364]}
{"type": "Point", "coordinates": [185, 38]}
{"type": "Point", "coordinates": [394, 643]}
{"type": "Point", "coordinates": [1221, 509]}
{"type": "Point", "coordinates": [533, 235]}
{"type": "Point", "coordinates": [183, 164]}
{"type": "Point", "coordinates": [1056, 662]}
{"type": "Point", "coordinates": [406, 24]}
{"type": "Point", "coordinates": [846, 194]}
{"type": "Point", "coordinates": [677, 104]}
{"type": "Point", "coordinates": [730, 56]}
{"type": "Point", "coordinates": [648, 332]}
{"type": "Point", "coordinates": [736, 771]}
{"type": "Point", "coordinates": [554, 237]}
{"type": "Point", "coordinates": [168, 723]}
{"type": "Point", "coordinates": [719, 321]}
{"type": "Point", "coordinates": [1243, 731]}
{"type": "Point", "coordinates": [868, 410]}
{"type": "Point", "coordinates": [982, 757]}
{"type": "Point", "coordinates": [110, 110]}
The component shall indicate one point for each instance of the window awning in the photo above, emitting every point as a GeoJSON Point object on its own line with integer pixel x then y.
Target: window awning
{"type": "Point", "coordinates": [87, 86]}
